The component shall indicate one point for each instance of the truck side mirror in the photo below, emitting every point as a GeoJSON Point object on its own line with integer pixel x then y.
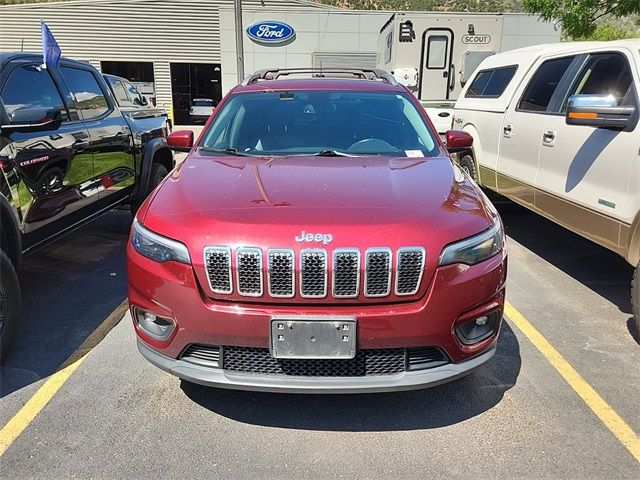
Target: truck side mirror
{"type": "Point", "coordinates": [598, 111]}
{"type": "Point", "coordinates": [458, 141]}
{"type": "Point", "coordinates": [32, 119]}
{"type": "Point", "coordinates": [180, 140]}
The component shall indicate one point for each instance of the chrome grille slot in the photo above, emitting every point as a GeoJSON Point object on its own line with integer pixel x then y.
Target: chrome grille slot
{"type": "Point", "coordinates": [249, 271]}
{"type": "Point", "coordinates": [281, 273]}
{"type": "Point", "coordinates": [313, 273]}
{"type": "Point", "coordinates": [377, 276]}
{"type": "Point", "coordinates": [218, 265]}
{"type": "Point", "coordinates": [346, 272]}
{"type": "Point", "coordinates": [409, 270]}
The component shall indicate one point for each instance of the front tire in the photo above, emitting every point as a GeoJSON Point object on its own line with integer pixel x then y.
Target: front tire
{"type": "Point", "coordinates": [468, 164]}
{"type": "Point", "coordinates": [158, 172]}
{"type": "Point", "coordinates": [9, 305]}
{"type": "Point", "coordinates": [635, 297]}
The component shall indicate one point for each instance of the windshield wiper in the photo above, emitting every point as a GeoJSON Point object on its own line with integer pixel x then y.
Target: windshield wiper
{"type": "Point", "coordinates": [332, 153]}
{"type": "Point", "coordinates": [227, 151]}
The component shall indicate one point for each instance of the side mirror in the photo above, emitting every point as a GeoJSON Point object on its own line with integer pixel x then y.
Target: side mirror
{"type": "Point", "coordinates": [598, 111]}
{"type": "Point", "coordinates": [458, 141]}
{"type": "Point", "coordinates": [29, 119]}
{"type": "Point", "coordinates": [180, 140]}
{"type": "Point", "coordinates": [145, 102]}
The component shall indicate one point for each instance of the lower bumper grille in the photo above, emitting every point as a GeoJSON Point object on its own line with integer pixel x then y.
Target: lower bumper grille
{"type": "Point", "coordinates": [388, 361]}
{"type": "Point", "coordinates": [366, 362]}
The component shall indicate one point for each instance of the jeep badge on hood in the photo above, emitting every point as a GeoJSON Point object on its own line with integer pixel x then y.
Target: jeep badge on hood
{"type": "Point", "coordinates": [325, 238]}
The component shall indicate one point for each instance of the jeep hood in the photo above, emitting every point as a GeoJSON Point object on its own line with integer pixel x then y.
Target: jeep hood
{"type": "Point", "coordinates": [359, 202]}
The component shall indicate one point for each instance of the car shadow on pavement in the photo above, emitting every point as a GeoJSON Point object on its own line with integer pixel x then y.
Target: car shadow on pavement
{"type": "Point", "coordinates": [413, 410]}
{"type": "Point", "coordinates": [602, 271]}
{"type": "Point", "coordinates": [68, 289]}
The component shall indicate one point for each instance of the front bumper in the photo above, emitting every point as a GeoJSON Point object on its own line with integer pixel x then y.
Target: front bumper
{"type": "Point", "coordinates": [410, 380]}
{"type": "Point", "coordinates": [456, 294]}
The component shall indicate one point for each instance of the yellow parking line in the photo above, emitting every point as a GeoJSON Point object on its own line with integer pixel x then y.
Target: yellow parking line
{"type": "Point", "coordinates": [45, 393]}
{"type": "Point", "coordinates": [594, 401]}
{"type": "Point", "coordinates": [28, 412]}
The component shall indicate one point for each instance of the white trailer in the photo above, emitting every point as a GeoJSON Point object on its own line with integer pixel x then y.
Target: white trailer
{"type": "Point", "coordinates": [434, 54]}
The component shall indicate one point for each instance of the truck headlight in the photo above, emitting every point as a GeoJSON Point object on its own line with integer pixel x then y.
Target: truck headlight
{"type": "Point", "coordinates": [474, 249]}
{"type": "Point", "coordinates": [156, 247]}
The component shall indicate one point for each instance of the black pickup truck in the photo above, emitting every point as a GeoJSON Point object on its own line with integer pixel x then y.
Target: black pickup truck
{"type": "Point", "coordinates": [67, 155]}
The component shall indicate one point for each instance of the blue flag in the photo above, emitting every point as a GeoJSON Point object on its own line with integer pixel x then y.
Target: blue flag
{"type": "Point", "coordinates": [50, 48]}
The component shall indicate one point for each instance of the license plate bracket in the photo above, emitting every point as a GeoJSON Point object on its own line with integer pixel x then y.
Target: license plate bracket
{"type": "Point", "coordinates": [322, 337]}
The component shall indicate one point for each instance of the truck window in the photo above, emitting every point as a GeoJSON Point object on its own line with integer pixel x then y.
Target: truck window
{"type": "Point", "coordinates": [90, 99]}
{"type": "Point", "coordinates": [543, 84]}
{"type": "Point", "coordinates": [437, 51]}
{"type": "Point", "coordinates": [120, 92]}
{"type": "Point", "coordinates": [133, 92]}
{"type": "Point", "coordinates": [605, 74]}
{"type": "Point", "coordinates": [491, 82]}
{"type": "Point", "coordinates": [31, 86]}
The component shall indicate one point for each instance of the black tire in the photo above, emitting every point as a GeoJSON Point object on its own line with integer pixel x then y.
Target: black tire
{"type": "Point", "coordinates": [158, 172]}
{"type": "Point", "coordinates": [635, 297]}
{"type": "Point", "coordinates": [468, 164]}
{"type": "Point", "coordinates": [9, 305]}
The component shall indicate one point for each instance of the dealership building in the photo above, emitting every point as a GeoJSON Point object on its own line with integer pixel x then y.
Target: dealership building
{"type": "Point", "coordinates": [179, 50]}
{"type": "Point", "coordinates": [185, 49]}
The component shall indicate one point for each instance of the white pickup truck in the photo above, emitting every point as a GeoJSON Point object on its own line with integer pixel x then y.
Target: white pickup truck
{"type": "Point", "coordinates": [555, 129]}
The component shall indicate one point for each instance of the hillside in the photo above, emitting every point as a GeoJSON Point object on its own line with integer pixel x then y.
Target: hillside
{"type": "Point", "coordinates": [432, 5]}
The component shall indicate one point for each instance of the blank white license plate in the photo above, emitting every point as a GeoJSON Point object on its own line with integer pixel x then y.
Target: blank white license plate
{"type": "Point", "coordinates": [313, 338]}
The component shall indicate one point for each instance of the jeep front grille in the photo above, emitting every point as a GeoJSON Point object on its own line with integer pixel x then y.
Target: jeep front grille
{"type": "Point", "coordinates": [309, 274]}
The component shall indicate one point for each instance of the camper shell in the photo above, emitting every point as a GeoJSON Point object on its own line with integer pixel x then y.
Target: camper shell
{"type": "Point", "coordinates": [435, 54]}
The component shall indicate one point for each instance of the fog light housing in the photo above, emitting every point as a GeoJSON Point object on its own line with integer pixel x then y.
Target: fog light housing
{"type": "Point", "coordinates": [157, 327]}
{"type": "Point", "coordinates": [479, 328]}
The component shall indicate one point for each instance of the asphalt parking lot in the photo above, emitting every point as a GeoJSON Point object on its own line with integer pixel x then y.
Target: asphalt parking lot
{"type": "Point", "coordinates": [516, 417]}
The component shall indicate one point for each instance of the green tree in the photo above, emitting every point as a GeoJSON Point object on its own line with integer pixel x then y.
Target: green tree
{"type": "Point", "coordinates": [580, 18]}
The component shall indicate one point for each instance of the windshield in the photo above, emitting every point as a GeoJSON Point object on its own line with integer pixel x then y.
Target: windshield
{"type": "Point", "coordinates": [203, 103]}
{"type": "Point", "coordinates": [321, 122]}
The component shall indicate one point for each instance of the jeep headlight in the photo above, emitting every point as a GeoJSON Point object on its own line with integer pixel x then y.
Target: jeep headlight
{"type": "Point", "coordinates": [474, 249]}
{"type": "Point", "coordinates": [156, 247]}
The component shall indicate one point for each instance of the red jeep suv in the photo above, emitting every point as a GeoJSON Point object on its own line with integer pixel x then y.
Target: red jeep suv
{"type": "Point", "coordinates": [318, 238]}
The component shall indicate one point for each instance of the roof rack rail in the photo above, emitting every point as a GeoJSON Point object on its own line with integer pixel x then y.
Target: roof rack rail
{"type": "Point", "coordinates": [363, 73]}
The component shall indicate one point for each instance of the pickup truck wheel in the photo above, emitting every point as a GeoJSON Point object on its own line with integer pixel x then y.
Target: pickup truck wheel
{"type": "Point", "coordinates": [158, 172]}
{"type": "Point", "coordinates": [635, 297]}
{"type": "Point", "coordinates": [9, 305]}
{"type": "Point", "coordinates": [468, 164]}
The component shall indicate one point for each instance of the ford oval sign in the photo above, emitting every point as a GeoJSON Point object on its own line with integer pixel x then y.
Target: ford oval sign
{"type": "Point", "coordinates": [271, 33]}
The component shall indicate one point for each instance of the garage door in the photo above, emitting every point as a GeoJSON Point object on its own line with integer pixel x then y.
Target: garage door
{"type": "Point", "coordinates": [344, 60]}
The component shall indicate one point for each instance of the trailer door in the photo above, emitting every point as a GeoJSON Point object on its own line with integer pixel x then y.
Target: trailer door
{"type": "Point", "coordinates": [437, 50]}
